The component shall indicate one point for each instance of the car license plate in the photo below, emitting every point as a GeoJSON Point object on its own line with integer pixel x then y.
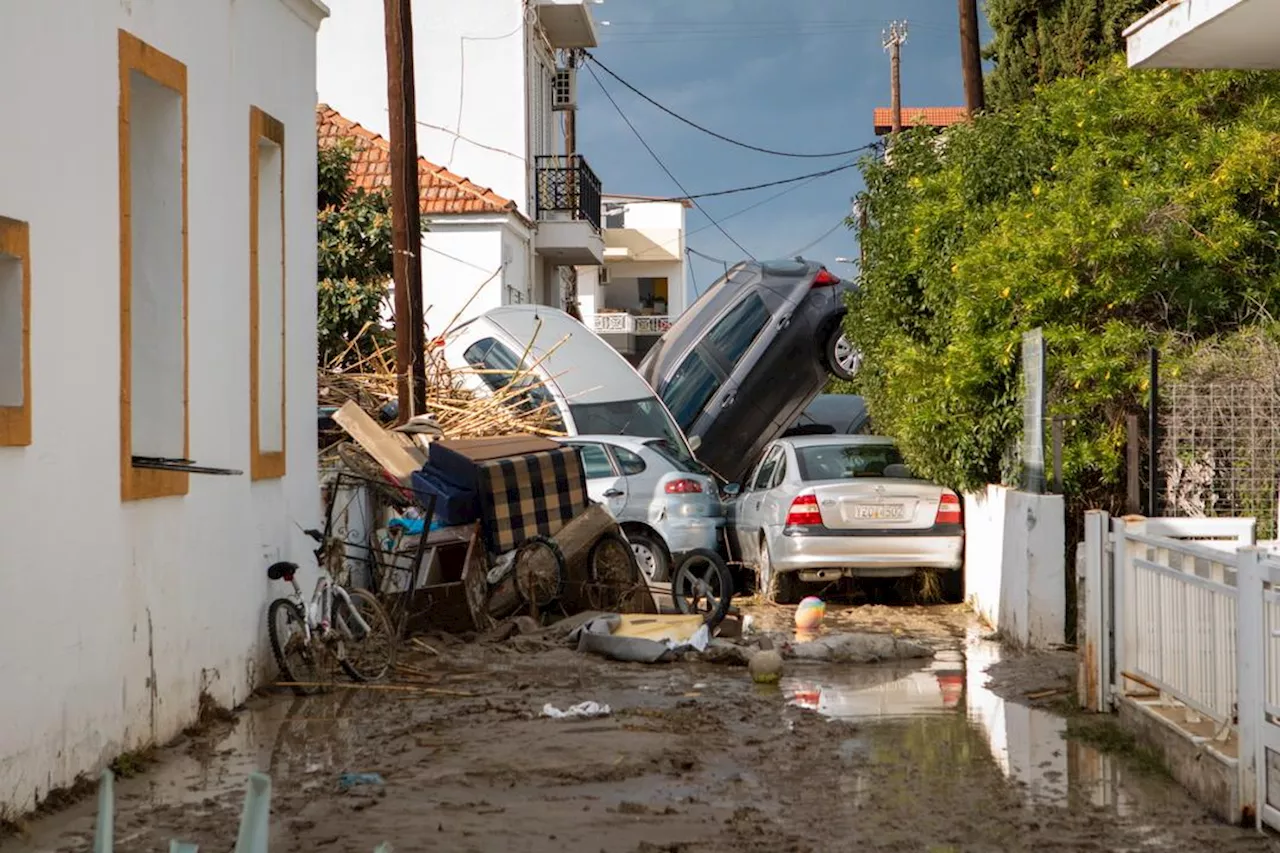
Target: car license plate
{"type": "Point", "coordinates": [877, 512]}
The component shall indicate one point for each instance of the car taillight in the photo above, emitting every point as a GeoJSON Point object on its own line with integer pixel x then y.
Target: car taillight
{"type": "Point", "coordinates": [824, 279]}
{"type": "Point", "coordinates": [948, 509]}
{"type": "Point", "coordinates": [804, 512]}
{"type": "Point", "coordinates": [684, 487]}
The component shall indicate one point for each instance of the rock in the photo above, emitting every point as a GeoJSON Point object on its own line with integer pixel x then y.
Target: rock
{"type": "Point", "coordinates": [765, 667]}
{"type": "Point", "coordinates": [859, 648]}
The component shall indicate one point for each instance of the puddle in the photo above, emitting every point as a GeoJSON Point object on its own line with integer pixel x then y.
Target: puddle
{"type": "Point", "coordinates": [945, 705]}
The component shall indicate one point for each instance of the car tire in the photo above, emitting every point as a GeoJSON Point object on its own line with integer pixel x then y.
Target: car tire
{"type": "Point", "coordinates": [776, 587]}
{"type": "Point", "coordinates": [953, 586]}
{"type": "Point", "coordinates": [651, 554]}
{"type": "Point", "coordinates": [841, 359]}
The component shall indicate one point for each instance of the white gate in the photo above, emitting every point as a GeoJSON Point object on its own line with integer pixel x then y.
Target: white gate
{"type": "Point", "coordinates": [1259, 674]}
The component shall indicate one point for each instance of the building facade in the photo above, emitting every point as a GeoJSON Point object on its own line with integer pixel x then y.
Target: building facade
{"type": "Point", "coordinates": [1207, 34]}
{"type": "Point", "coordinates": [493, 85]}
{"type": "Point", "coordinates": [642, 287]}
{"type": "Point", "coordinates": [157, 305]}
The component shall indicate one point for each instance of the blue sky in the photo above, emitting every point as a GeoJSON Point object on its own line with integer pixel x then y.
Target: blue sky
{"type": "Point", "coordinates": [800, 75]}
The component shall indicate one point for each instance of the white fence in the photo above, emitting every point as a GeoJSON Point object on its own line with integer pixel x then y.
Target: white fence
{"type": "Point", "coordinates": [617, 323]}
{"type": "Point", "coordinates": [1189, 609]}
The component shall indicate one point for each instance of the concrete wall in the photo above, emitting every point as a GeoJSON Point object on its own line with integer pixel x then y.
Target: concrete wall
{"type": "Point", "coordinates": [1015, 563]}
{"type": "Point", "coordinates": [472, 62]}
{"type": "Point", "coordinates": [472, 264]}
{"type": "Point", "coordinates": [114, 616]}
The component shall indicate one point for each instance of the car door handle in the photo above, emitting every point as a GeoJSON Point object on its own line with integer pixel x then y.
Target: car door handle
{"type": "Point", "coordinates": [729, 399]}
{"type": "Point", "coordinates": [784, 321]}
{"type": "Point", "coordinates": [613, 493]}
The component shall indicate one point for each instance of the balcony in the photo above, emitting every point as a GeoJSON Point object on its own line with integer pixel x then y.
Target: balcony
{"type": "Point", "coordinates": [567, 23]}
{"type": "Point", "coordinates": [630, 334]}
{"type": "Point", "coordinates": [567, 204]}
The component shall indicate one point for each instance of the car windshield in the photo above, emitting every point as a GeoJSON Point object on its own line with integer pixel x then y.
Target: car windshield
{"type": "Point", "coordinates": [644, 418]}
{"type": "Point", "coordinates": [845, 462]}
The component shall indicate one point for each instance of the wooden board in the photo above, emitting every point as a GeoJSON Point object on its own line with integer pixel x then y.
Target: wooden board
{"type": "Point", "coordinates": [386, 448]}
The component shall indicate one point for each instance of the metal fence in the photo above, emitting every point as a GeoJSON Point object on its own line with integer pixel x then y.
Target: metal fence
{"type": "Point", "coordinates": [1219, 451]}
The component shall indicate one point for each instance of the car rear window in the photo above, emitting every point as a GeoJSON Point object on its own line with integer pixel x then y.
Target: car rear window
{"type": "Point", "coordinates": [846, 462]}
{"type": "Point", "coordinates": [643, 418]}
{"type": "Point", "coordinates": [735, 332]}
{"type": "Point", "coordinates": [684, 466]}
{"type": "Point", "coordinates": [691, 387]}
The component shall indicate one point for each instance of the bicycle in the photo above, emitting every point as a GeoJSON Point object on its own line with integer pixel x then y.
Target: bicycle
{"type": "Point", "coordinates": [349, 627]}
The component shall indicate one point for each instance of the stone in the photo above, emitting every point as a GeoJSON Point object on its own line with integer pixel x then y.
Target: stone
{"type": "Point", "coordinates": [765, 667]}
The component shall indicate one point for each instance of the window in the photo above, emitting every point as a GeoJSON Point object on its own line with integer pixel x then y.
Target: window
{"type": "Point", "coordinates": [644, 418]}
{"type": "Point", "coordinates": [266, 297]}
{"type": "Point", "coordinates": [630, 463]}
{"type": "Point", "coordinates": [615, 217]}
{"type": "Point", "coordinates": [691, 387]}
{"type": "Point", "coordinates": [764, 474]}
{"type": "Point", "coordinates": [595, 461]}
{"type": "Point", "coordinates": [733, 335]}
{"type": "Point", "coordinates": [15, 333]}
{"type": "Point", "coordinates": [501, 368]}
{"type": "Point", "coordinates": [153, 270]}
{"type": "Point", "coordinates": [845, 462]}
{"type": "Point", "coordinates": [686, 466]}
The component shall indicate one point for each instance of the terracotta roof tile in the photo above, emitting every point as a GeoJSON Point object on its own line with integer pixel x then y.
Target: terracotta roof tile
{"type": "Point", "coordinates": [439, 190]}
{"type": "Point", "coordinates": [920, 117]}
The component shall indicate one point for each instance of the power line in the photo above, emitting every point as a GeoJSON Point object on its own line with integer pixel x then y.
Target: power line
{"type": "Point", "coordinates": [710, 132]}
{"type": "Point", "coordinates": [767, 185]}
{"type": "Point", "coordinates": [824, 236]}
{"type": "Point", "coordinates": [704, 256]}
{"type": "Point", "coordinates": [662, 165]}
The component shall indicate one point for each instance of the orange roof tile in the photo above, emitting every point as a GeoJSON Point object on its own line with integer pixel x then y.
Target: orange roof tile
{"type": "Point", "coordinates": [439, 190]}
{"type": "Point", "coordinates": [920, 117]}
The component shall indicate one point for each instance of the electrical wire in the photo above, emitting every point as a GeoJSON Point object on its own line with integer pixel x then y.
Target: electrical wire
{"type": "Point", "coordinates": [663, 165]}
{"type": "Point", "coordinates": [824, 236]}
{"type": "Point", "coordinates": [591, 57]}
{"type": "Point", "coordinates": [767, 185]}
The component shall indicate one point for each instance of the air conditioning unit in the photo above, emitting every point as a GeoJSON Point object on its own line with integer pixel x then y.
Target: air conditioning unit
{"type": "Point", "coordinates": [564, 90]}
{"type": "Point", "coordinates": [603, 275]}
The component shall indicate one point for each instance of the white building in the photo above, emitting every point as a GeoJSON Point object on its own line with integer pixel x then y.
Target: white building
{"type": "Point", "coordinates": [1207, 34]}
{"type": "Point", "coordinates": [157, 302]}
{"type": "Point", "coordinates": [643, 285]}
{"type": "Point", "coordinates": [485, 76]}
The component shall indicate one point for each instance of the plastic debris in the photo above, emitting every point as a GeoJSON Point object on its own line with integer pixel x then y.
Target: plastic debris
{"type": "Point", "coordinates": [810, 612]}
{"type": "Point", "coordinates": [581, 711]}
{"type": "Point", "coordinates": [347, 781]}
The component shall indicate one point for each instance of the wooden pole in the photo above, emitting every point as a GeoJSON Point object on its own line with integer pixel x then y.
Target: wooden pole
{"type": "Point", "coordinates": [406, 221]}
{"type": "Point", "coordinates": [893, 42]}
{"type": "Point", "coordinates": [971, 57]}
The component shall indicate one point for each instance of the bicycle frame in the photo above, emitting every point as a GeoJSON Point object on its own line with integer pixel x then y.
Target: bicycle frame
{"type": "Point", "coordinates": [319, 611]}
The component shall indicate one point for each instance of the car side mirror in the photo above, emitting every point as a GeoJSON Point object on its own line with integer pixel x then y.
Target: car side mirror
{"type": "Point", "coordinates": [695, 442]}
{"type": "Point", "coordinates": [733, 490]}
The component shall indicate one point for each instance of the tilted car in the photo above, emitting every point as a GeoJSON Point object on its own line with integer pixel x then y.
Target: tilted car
{"type": "Point", "coordinates": [666, 506]}
{"type": "Point", "coordinates": [817, 509]}
{"type": "Point", "coordinates": [743, 362]}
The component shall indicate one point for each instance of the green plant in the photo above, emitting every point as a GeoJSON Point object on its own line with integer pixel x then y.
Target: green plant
{"type": "Point", "coordinates": [1116, 211]}
{"type": "Point", "coordinates": [354, 253]}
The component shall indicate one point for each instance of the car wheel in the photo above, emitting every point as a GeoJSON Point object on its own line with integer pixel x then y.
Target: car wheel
{"type": "Point", "coordinates": [777, 587]}
{"type": "Point", "coordinates": [651, 554]}
{"type": "Point", "coordinates": [842, 359]}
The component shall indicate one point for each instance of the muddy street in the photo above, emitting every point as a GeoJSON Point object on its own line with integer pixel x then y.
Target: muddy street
{"type": "Point", "coordinates": [692, 757]}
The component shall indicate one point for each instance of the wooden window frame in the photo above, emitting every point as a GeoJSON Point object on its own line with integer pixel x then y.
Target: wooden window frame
{"type": "Point", "coordinates": [263, 466]}
{"type": "Point", "coordinates": [15, 421]}
{"type": "Point", "coordinates": [142, 483]}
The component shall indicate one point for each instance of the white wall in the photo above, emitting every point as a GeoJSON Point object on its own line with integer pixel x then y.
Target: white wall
{"type": "Point", "coordinates": [459, 263]}
{"type": "Point", "coordinates": [1015, 565]}
{"type": "Point", "coordinates": [114, 616]}
{"type": "Point", "coordinates": [470, 77]}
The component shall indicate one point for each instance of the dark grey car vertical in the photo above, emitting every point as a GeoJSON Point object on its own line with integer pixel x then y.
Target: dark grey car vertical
{"type": "Point", "coordinates": [742, 362]}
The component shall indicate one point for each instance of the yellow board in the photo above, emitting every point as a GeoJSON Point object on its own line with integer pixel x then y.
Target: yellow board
{"type": "Point", "coordinates": [679, 629]}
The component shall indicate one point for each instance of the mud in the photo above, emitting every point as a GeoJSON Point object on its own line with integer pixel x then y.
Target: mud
{"type": "Point", "coordinates": [917, 756]}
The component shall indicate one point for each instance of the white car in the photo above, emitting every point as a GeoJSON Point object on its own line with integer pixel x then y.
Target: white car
{"type": "Point", "coordinates": [665, 506]}
{"type": "Point", "coordinates": [589, 385]}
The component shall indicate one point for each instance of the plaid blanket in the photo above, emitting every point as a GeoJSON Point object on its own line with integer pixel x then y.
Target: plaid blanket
{"type": "Point", "coordinates": [529, 495]}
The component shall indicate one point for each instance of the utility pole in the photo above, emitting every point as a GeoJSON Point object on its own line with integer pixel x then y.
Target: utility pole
{"type": "Point", "coordinates": [571, 114]}
{"type": "Point", "coordinates": [893, 41]}
{"type": "Point", "coordinates": [570, 149]}
{"type": "Point", "coordinates": [406, 215]}
{"type": "Point", "coordinates": [971, 57]}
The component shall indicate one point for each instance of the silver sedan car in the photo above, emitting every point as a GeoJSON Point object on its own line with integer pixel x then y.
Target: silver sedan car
{"type": "Point", "coordinates": [820, 508]}
{"type": "Point", "coordinates": [666, 506]}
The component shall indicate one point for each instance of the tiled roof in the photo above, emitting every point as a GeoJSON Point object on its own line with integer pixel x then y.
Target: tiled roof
{"type": "Point", "coordinates": [439, 190]}
{"type": "Point", "coordinates": [920, 117]}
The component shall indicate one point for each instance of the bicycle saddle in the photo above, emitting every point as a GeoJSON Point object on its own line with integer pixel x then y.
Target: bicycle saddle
{"type": "Point", "coordinates": [282, 571]}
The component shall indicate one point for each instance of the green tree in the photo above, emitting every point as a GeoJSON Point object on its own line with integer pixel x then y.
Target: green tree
{"type": "Point", "coordinates": [1116, 210]}
{"type": "Point", "coordinates": [1038, 41]}
{"type": "Point", "coordinates": [355, 258]}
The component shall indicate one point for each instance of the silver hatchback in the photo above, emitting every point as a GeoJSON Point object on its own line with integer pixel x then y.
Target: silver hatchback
{"type": "Point", "coordinates": [667, 506]}
{"type": "Point", "coordinates": [820, 508]}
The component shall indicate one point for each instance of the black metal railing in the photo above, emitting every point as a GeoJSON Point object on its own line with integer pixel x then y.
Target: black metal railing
{"type": "Point", "coordinates": [567, 185]}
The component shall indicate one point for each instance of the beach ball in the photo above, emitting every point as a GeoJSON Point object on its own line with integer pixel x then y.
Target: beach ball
{"type": "Point", "coordinates": [809, 613]}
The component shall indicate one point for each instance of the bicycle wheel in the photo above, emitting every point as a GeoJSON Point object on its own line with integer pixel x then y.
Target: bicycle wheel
{"type": "Point", "coordinates": [703, 585]}
{"type": "Point", "coordinates": [540, 571]}
{"type": "Point", "coordinates": [371, 656]}
{"type": "Point", "coordinates": [295, 657]}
